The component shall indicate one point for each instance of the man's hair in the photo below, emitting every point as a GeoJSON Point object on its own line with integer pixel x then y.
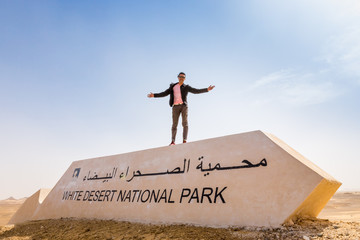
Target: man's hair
{"type": "Point", "coordinates": [181, 73]}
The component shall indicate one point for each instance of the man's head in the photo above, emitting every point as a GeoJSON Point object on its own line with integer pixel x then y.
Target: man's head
{"type": "Point", "coordinates": [181, 77]}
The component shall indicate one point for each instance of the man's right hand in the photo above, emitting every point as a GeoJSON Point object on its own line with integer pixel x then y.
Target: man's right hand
{"type": "Point", "coordinates": [150, 95]}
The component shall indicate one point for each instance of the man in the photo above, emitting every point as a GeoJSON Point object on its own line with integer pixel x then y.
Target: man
{"type": "Point", "coordinates": [178, 101]}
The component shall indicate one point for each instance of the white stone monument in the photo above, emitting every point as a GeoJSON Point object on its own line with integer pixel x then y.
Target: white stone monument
{"type": "Point", "coordinates": [248, 179]}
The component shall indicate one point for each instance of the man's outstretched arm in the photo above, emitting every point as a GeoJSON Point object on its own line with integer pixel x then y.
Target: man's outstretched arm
{"type": "Point", "coordinates": [162, 94]}
{"type": "Point", "coordinates": [202, 90]}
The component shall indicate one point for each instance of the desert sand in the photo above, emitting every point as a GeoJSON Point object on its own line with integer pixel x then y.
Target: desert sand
{"type": "Point", "coordinates": [340, 219]}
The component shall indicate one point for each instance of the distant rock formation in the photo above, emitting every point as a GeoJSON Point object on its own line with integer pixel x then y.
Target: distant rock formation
{"type": "Point", "coordinates": [11, 198]}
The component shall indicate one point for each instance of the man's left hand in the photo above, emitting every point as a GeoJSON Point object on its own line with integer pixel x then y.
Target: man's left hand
{"type": "Point", "coordinates": [211, 87]}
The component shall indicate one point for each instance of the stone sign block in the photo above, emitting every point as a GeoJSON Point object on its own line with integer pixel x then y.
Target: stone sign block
{"type": "Point", "coordinates": [248, 179]}
{"type": "Point", "coordinates": [29, 207]}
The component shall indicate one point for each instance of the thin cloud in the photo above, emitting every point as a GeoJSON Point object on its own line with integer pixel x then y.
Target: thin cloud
{"type": "Point", "coordinates": [273, 78]}
{"type": "Point", "coordinates": [342, 53]}
{"type": "Point", "coordinates": [289, 86]}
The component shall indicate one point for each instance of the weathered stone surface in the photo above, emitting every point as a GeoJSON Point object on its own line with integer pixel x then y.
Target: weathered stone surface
{"type": "Point", "coordinates": [248, 179]}
{"type": "Point", "coordinates": [29, 207]}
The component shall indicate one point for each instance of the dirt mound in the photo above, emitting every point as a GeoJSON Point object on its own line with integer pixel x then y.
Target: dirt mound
{"type": "Point", "coordinates": [96, 229]}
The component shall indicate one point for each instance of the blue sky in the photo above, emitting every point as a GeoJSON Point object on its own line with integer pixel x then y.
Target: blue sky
{"type": "Point", "coordinates": [74, 76]}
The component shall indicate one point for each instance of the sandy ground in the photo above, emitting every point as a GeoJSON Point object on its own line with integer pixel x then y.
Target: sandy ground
{"type": "Point", "coordinates": [343, 207]}
{"type": "Point", "coordinates": [343, 212]}
{"type": "Point", "coordinates": [8, 208]}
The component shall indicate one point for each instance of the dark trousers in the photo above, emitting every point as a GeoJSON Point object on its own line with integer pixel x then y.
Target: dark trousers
{"type": "Point", "coordinates": [176, 110]}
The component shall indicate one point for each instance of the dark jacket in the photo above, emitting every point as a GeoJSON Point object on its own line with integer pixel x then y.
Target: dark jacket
{"type": "Point", "coordinates": [185, 89]}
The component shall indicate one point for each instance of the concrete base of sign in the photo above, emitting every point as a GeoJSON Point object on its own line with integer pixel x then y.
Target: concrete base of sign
{"type": "Point", "coordinates": [248, 179]}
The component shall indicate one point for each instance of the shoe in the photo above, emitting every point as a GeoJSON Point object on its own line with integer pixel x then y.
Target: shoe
{"type": "Point", "coordinates": [184, 141]}
{"type": "Point", "coordinates": [172, 143]}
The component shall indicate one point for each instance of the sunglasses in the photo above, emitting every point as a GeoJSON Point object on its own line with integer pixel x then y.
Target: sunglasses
{"type": "Point", "coordinates": [181, 77]}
